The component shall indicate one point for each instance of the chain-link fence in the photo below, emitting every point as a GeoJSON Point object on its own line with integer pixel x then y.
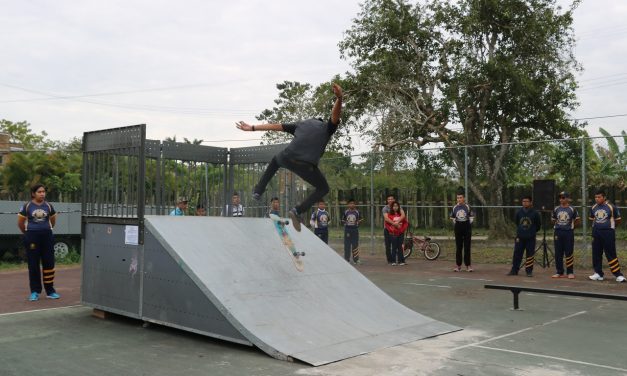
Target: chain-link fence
{"type": "Point", "coordinates": [424, 181]}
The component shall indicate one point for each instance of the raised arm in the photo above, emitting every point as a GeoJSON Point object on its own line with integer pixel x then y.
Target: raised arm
{"type": "Point", "coordinates": [261, 127]}
{"type": "Point", "coordinates": [337, 107]}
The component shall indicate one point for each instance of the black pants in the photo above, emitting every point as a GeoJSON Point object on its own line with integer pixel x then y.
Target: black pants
{"type": "Point", "coordinates": [397, 248]}
{"type": "Point", "coordinates": [323, 234]}
{"type": "Point", "coordinates": [463, 235]}
{"type": "Point", "coordinates": [527, 245]}
{"type": "Point", "coordinates": [604, 241]}
{"type": "Point", "coordinates": [564, 246]}
{"type": "Point", "coordinates": [388, 245]}
{"type": "Point", "coordinates": [39, 249]}
{"type": "Point", "coordinates": [351, 243]}
{"type": "Point", "coordinates": [305, 170]}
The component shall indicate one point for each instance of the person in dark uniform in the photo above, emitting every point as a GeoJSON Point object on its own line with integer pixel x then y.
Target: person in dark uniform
{"type": "Point", "coordinates": [462, 218]}
{"type": "Point", "coordinates": [528, 223]}
{"type": "Point", "coordinates": [351, 220]}
{"type": "Point", "coordinates": [36, 220]}
{"type": "Point", "coordinates": [604, 216]}
{"type": "Point", "coordinates": [302, 155]}
{"type": "Point", "coordinates": [320, 220]}
{"type": "Point", "coordinates": [564, 217]}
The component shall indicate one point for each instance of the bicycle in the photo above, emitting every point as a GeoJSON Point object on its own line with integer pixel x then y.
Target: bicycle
{"type": "Point", "coordinates": [430, 249]}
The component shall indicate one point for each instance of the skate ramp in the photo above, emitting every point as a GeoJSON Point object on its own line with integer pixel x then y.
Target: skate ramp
{"type": "Point", "coordinates": [326, 313]}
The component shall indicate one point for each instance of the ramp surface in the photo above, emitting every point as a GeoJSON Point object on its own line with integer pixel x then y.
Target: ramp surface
{"type": "Point", "coordinates": [326, 313]}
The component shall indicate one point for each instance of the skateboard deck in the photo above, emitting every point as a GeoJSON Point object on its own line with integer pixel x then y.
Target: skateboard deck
{"type": "Point", "coordinates": [296, 256]}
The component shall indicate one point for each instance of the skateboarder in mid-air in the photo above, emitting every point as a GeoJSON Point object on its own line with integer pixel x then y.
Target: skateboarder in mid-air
{"type": "Point", "coordinates": [302, 155]}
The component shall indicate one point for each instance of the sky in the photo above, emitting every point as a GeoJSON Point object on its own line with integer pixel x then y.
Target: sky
{"type": "Point", "coordinates": [191, 69]}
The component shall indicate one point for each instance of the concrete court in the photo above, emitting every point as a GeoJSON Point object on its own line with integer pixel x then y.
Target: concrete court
{"type": "Point", "coordinates": [552, 335]}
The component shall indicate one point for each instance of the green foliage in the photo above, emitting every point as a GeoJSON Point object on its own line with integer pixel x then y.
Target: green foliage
{"type": "Point", "coordinates": [608, 165]}
{"type": "Point", "coordinates": [466, 73]}
{"type": "Point", "coordinates": [52, 163]}
{"type": "Point", "coordinates": [20, 133]}
{"type": "Point", "coordinates": [73, 257]}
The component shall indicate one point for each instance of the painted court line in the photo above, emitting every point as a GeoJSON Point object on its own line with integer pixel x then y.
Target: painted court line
{"type": "Point", "coordinates": [519, 331]}
{"type": "Point", "coordinates": [473, 279]}
{"type": "Point", "coordinates": [39, 310]}
{"type": "Point", "coordinates": [554, 358]}
{"type": "Point", "coordinates": [426, 284]}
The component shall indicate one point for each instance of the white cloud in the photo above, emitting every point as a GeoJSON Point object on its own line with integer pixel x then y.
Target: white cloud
{"type": "Point", "coordinates": [240, 49]}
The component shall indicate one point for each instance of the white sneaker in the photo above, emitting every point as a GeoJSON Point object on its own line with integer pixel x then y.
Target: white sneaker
{"type": "Point", "coordinates": [596, 277]}
{"type": "Point", "coordinates": [620, 278]}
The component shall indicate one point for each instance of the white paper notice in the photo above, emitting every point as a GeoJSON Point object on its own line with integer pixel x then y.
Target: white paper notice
{"type": "Point", "coordinates": [131, 235]}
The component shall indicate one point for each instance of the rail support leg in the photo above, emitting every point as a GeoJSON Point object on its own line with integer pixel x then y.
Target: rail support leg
{"type": "Point", "coordinates": [516, 292]}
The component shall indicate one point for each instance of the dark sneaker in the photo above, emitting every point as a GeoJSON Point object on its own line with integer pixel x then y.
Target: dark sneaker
{"type": "Point", "coordinates": [529, 274]}
{"type": "Point", "coordinates": [295, 219]}
{"type": "Point", "coordinates": [256, 196]}
{"type": "Point", "coordinates": [511, 272]}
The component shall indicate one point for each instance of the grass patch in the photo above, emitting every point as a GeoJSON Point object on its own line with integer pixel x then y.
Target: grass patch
{"type": "Point", "coordinates": [10, 262]}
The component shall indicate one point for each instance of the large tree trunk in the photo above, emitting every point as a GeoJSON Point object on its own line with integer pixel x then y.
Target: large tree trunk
{"type": "Point", "coordinates": [499, 227]}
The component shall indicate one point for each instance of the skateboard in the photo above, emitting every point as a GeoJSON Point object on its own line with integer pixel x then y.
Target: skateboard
{"type": "Point", "coordinates": [280, 225]}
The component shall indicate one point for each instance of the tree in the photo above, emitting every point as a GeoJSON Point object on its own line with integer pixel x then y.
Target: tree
{"type": "Point", "coordinates": [20, 133]}
{"type": "Point", "coordinates": [471, 72]}
{"type": "Point", "coordinates": [53, 163]}
{"type": "Point", "coordinates": [608, 167]}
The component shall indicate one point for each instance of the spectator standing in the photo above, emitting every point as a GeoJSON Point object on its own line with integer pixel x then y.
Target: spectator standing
{"type": "Point", "coordinates": [36, 219]}
{"type": "Point", "coordinates": [320, 220]}
{"type": "Point", "coordinates": [351, 220]}
{"type": "Point", "coordinates": [386, 234]}
{"type": "Point", "coordinates": [528, 223]}
{"type": "Point", "coordinates": [564, 218]}
{"type": "Point", "coordinates": [462, 217]}
{"type": "Point", "coordinates": [396, 228]}
{"type": "Point", "coordinates": [604, 216]}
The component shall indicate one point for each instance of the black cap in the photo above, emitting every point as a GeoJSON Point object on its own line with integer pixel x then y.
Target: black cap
{"type": "Point", "coordinates": [564, 194]}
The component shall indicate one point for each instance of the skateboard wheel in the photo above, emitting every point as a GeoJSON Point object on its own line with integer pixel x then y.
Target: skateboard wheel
{"type": "Point", "coordinates": [286, 222]}
{"type": "Point", "coordinates": [302, 253]}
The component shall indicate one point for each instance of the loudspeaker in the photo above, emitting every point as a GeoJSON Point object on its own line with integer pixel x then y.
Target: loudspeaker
{"type": "Point", "coordinates": [544, 194]}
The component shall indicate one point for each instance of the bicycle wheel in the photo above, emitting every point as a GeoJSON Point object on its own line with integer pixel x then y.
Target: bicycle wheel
{"type": "Point", "coordinates": [407, 248]}
{"type": "Point", "coordinates": [432, 251]}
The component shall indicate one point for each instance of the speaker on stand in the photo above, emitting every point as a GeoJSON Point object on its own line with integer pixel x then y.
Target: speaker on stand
{"type": "Point", "coordinates": [544, 202]}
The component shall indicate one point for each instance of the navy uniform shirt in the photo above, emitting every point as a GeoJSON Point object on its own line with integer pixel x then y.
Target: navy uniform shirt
{"type": "Point", "coordinates": [604, 216]}
{"type": "Point", "coordinates": [528, 222]}
{"type": "Point", "coordinates": [461, 213]}
{"type": "Point", "coordinates": [37, 215]}
{"type": "Point", "coordinates": [310, 139]}
{"type": "Point", "coordinates": [564, 217]}
{"type": "Point", "coordinates": [351, 218]}
{"type": "Point", "coordinates": [320, 219]}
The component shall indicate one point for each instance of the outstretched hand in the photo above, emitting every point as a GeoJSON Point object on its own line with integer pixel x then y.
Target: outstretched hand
{"type": "Point", "coordinates": [244, 126]}
{"type": "Point", "coordinates": [337, 90]}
